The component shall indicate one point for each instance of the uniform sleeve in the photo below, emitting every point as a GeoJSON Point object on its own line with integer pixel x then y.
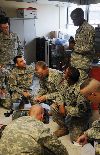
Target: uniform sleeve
{"type": "Point", "coordinates": [79, 108]}
{"type": "Point", "coordinates": [94, 131]}
{"type": "Point", "coordinates": [13, 85]}
{"type": "Point", "coordinates": [19, 49]}
{"type": "Point", "coordinates": [87, 39]}
{"type": "Point", "coordinates": [42, 89]}
{"type": "Point", "coordinates": [52, 143]}
{"type": "Point", "coordinates": [56, 95]}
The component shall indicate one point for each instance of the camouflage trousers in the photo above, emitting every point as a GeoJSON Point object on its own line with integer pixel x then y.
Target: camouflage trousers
{"type": "Point", "coordinates": [76, 127]}
{"type": "Point", "coordinates": [16, 96]}
{"type": "Point", "coordinates": [56, 116]}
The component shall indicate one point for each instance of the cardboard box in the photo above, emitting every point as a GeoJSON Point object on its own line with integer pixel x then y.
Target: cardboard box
{"type": "Point", "coordinates": [27, 13]}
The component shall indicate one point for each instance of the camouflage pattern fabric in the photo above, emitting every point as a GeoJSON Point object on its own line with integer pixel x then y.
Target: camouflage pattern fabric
{"type": "Point", "coordinates": [77, 109]}
{"type": "Point", "coordinates": [4, 74]}
{"type": "Point", "coordinates": [82, 55]}
{"type": "Point", "coordinates": [26, 135]}
{"type": "Point", "coordinates": [49, 86]}
{"type": "Point", "coordinates": [20, 80]}
{"type": "Point", "coordinates": [94, 133]}
{"type": "Point", "coordinates": [9, 48]}
{"type": "Point", "coordinates": [5, 101]}
{"type": "Point", "coordinates": [56, 116]}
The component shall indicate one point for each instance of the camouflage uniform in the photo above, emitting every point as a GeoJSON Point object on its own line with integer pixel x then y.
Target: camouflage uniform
{"type": "Point", "coordinates": [20, 80]}
{"type": "Point", "coordinates": [94, 133]}
{"type": "Point", "coordinates": [49, 86]}
{"type": "Point", "coordinates": [82, 55]}
{"type": "Point", "coordinates": [26, 135]}
{"type": "Point", "coordinates": [9, 48]}
{"type": "Point", "coordinates": [77, 109]}
{"type": "Point", "coordinates": [4, 74]}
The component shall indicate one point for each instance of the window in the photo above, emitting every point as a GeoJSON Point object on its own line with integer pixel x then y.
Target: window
{"type": "Point", "coordinates": [94, 14]}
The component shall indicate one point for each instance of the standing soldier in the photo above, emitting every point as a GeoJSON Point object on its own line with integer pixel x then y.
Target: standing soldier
{"type": "Point", "coordinates": [9, 42]}
{"type": "Point", "coordinates": [82, 55]}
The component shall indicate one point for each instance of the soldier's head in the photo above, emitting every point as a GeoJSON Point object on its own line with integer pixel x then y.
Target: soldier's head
{"type": "Point", "coordinates": [90, 88]}
{"type": "Point", "coordinates": [19, 61]}
{"type": "Point", "coordinates": [37, 111]}
{"type": "Point", "coordinates": [41, 69]}
{"type": "Point", "coordinates": [71, 74]}
{"type": "Point", "coordinates": [77, 16]}
{"type": "Point", "coordinates": [4, 24]}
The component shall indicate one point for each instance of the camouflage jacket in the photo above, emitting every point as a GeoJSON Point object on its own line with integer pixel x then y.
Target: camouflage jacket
{"type": "Point", "coordinates": [94, 133]}
{"type": "Point", "coordinates": [21, 79]}
{"type": "Point", "coordinates": [82, 55]}
{"type": "Point", "coordinates": [49, 86]}
{"type": "Point", "coordinates": [9, 47]}
{"type": "Point", "coordinates": [26, 135]}
{"type": "Point", "coordinates": [76, 104]}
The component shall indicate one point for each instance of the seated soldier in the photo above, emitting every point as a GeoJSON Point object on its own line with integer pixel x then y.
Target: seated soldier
{"type": "Point", "coordinates": [77, 108]}
{"type": "Point", "coordinates": [20, 80]}
{"type": "Point", "coordinates": [49, 83]}
{"type": "Point", "coordinates": [28, 135]}
{"type": "Point", "coordinates": [91, 90]}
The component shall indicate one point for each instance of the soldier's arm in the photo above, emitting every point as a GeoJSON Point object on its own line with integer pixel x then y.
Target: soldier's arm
{"type": "Point", "coordinates": [52, 143]}
{"type": "Point", "coordinates": [42, 89]}
{"type": "Point", "coordinates": [19, 50]}
{"type": "Point", "coordinates": [79, 109]}
{"type": "Point", "coordinates": [13, 85]}
{"type": "Point", "coordinates": [56, 94]}
{"type": "Point", "coordinates": [93, 132]}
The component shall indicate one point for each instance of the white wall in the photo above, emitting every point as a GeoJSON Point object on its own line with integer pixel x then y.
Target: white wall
{"type": "Point", "coordinates": [48, 20]}
{"type": "Point", "coordinates": [48, 15]}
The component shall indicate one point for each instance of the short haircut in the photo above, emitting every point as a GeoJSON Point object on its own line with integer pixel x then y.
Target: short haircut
{"type": "Point", "coordinates": [41, 64]}
{"type": "Point", "coordinates": [4, 20]}
{"type": "Point", "coordinates": [94, 84]}
{"type": "Point", "coordinates": [73, 75]}
{"type": "Point", "coordinates": [78, 12]}
{"type": "Point", "coordinates": [15, 58]}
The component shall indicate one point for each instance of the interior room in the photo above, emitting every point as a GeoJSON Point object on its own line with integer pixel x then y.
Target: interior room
{"type": "Point", "coordinates": [50, 77]}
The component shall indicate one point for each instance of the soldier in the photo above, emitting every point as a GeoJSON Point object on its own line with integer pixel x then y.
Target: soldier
{"type": "Point", "coordinates": [49, 82]}
{"type": "Point", "coordinates": [20, 79]}
{"type": "Point", "coordinates": [91, 90]}
{"type": "Point", "coordinates": [9, 42]}
{"type": "Point", "coordinates": [82, 55]}
{"type": "Point", "coordinates": [28, 135]}
{"type": "Point", "coordinates": [77, 108]}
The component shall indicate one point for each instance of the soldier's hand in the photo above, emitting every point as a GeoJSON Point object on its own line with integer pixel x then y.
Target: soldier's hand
{"type": "Point", "coordinates": [26, 93]}
{"type": "Point", "coordinates": [2, 93]}
{"type": "Point", "coordinates": [40, 98]}
{"type": "Point", "coordinates": [82, 140]}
